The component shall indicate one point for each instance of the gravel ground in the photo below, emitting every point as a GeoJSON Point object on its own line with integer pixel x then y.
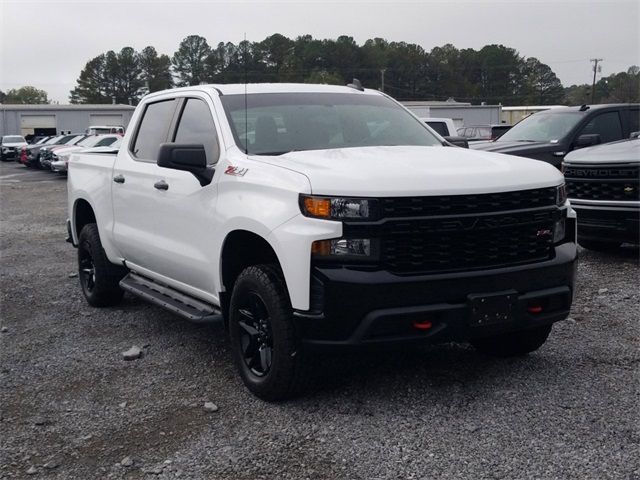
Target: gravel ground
{"type": "Point", "coordinates": [71, 407]}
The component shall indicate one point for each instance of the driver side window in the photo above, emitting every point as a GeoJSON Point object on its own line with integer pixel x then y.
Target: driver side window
{"type": "Point", "coordinates": [607, 125]}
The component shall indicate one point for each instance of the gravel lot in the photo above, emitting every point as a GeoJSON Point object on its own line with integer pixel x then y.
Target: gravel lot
{"type": "Point", "coordinates": [71, 407]}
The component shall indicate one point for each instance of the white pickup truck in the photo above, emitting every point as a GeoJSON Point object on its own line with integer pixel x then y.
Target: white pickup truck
{"type": "Point", "coordinates": [311, 217]}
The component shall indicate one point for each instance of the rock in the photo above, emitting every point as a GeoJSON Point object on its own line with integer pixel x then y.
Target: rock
{"type": "Point", "coordinates": [40, 421]}
{"type": "Point", "coordinates": [210, 407]}
{"type": "Point", "coordinates": [73, 275]}
{"type": "Point", "coordinates": [4, 329]}
{"type": "Point", "coordinates": [126, 461]}
{"type": "Point", "coordinates": [132, 354]}
{"type": "Point", "coordinates": [122, 405]}
{"type": "Point", "coordinates": [32, 470]}
{"type": "Point", "coordinates": [51, 464]}
{"type": "Point", "coordinates": [603, 290]}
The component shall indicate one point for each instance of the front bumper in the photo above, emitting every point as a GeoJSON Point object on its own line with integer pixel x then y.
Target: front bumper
{"type": "Point", "coordinates": [59, 166]}
{"type": "Point", "coordinates": [608, 223]}
{"type": "Point", "coordinates": [371, 308]}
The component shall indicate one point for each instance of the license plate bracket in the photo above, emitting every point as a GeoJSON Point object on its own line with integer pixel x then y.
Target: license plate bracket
{"type": "Point", "coordinates": [491, 309]}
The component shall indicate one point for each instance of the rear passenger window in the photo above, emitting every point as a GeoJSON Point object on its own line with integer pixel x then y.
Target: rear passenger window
{"type": "Point", "coordinates": [607, 125]}
{"type": "Point", "coordinates": [153, 129]}
{"type": "Point", "coordinates": [196, 126]}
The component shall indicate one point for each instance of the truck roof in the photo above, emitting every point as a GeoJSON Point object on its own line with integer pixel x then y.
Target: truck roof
{"type": "Point", "coordinates": [239, 88]}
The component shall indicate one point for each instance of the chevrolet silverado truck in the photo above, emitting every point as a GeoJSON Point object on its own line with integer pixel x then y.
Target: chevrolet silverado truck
{"type": "Point", "coordinates": [551, 134]}
{"type": "Point", "coordinates": [603, 185]}
{"type": "Point", "coordinates": [309, 218]}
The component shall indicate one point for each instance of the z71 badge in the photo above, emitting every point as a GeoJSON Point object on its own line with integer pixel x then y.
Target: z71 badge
{"type": "Point", "coordinates": [236, 171]}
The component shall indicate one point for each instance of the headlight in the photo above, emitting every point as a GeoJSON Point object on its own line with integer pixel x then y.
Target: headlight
{"type": "Point", "coordinates": [561, 195]}
{"type": "Point", "coordinates": [338, 208]}
{"type": "Point", "coordinates": [356, 249]}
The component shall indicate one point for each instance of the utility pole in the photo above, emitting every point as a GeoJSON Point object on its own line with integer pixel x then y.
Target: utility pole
{"type": "Point", "coordinates": [595, 70]}
{"type": "Point", "coordinates": [382, 70]}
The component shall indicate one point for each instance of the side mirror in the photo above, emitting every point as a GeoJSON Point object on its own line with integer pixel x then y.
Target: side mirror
{"type": "Point", "coordinates": [457, 141]}
{"type": "Point", "coordinates": [634, 135]}
{"type": "Point", "coordinates": [187, 157]}
{"type": "Point", "coordinates": [587, 140]}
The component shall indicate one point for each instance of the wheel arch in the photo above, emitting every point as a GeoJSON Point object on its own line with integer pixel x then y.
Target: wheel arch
{"type": "Point", "coordinates": [242, 249]}
{"type": "Point", "coordinates": [83, 214]}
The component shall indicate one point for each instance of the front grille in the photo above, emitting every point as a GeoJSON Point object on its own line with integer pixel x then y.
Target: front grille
{"type": "Point", "coordinates": [603, 183]}
{"type": "Point", "coordinates": [462, 232]}
{"type": "Point", "coordinates": [467, 244]}
{"type": "Point", "coordinates": [395, 207]}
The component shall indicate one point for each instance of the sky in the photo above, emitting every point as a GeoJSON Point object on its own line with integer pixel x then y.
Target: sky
{"type": "Point", "coordinates": [47, 43]}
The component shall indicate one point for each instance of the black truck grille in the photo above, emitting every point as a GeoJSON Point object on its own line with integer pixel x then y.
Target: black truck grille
{"type": "Point", "coordinates": [395, 207]}
{"type": "Point", "coordinates": [603, 183]}
{"type": "Point", "coordinates": [463, 232]}
{"type": "Point", "coordinates": [467, 244]}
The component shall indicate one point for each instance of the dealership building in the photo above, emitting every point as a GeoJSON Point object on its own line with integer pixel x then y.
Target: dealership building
{"type": "Point", "coordinates": [51, 119]}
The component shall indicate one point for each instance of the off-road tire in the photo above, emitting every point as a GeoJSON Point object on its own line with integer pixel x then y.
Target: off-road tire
{"type": "Point", "coordinates": [289, 370]}
{"type": "Point", "coordinates": [513, 344]}
{"type": "Point", "coordinates": [103, 289]}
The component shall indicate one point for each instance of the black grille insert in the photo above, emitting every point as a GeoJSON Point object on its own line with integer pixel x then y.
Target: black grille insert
{"type": "Point", "coordinates": [467, 243]}
{"type": "Point", "coordinates": [395, 207]}
{"type": "Point", "coordinates": [603, 183]}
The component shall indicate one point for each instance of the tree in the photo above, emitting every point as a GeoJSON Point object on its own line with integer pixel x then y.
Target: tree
{"type": "Point", "coordinates": [25, 95]}
{"type": "Point", "coordinates": [189, 62]}
{"type": "Point", "coordinates": [155, 70]}
{"type": "Point", "coordinates": [2, 96]}
{"type": "Point", "coordinates": [500, 75]}
{"type": "Point", "coordinates": [539, 84]}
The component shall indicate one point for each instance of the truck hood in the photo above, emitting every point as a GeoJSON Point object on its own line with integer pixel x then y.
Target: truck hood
{"type": "Point", "coordinates": [516, 148]}
{"type": "Point", "coordinates": [408, 171]}
{"type": "Point", "coordinates": [625, 151]}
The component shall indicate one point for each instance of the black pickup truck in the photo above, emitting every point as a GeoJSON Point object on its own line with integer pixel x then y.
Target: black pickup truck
{"type": "Point", "coordinates": [551, 134]}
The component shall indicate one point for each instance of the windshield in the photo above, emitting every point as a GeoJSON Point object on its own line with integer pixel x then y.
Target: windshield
{"type": "Point", "coordinates": [542, 127]}
{"type": "Point", "coordinates": [90, 141]}
{"type": "Point", "coordinates": [277, 123]}
{"type": "Point", "coordinates": [13, 139]}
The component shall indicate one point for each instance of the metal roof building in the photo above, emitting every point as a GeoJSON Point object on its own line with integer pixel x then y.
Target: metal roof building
{"type": "Point", "coordinates": [51, 119]}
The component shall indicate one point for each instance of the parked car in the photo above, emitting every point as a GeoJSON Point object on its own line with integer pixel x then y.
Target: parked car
{"type": "Point", "coordinates": [549, 135]}
{"type": "Point", "coordinates": [476, 133]}
{"type": "Point", "coordinates": [603, 183]}
{"type": "Point", "coordinates": [341, 227]}
{"type": "Point", "coordinates": [46, 154]}
{"type": "Point", "coordinates": [10, 146]}
{"type": "Point", "coordinates": [101, 144]}
{"type": "Point", "coordinates": [30, 155]}
{"type": "Point", "coordinates": [446, 129]}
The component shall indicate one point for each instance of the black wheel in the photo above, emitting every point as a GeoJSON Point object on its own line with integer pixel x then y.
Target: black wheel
{"type": "Point", "coordinates": [513, 343]}
{"type": "Point", "coordinates": [599, 245]}
{"type": "Point", "coordinates": [99, 278]}
{"type": "Point", "coordinates": [263, 337]}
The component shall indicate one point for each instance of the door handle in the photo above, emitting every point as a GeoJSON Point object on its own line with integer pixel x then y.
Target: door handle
{"type": "Point", "coordinates": [161, 185]}
{"type": "Point", "coordinates": [118, 179]}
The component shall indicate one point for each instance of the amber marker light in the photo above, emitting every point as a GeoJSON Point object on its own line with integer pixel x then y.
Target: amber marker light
{"type": "Point", "coordinates": [317, 207]}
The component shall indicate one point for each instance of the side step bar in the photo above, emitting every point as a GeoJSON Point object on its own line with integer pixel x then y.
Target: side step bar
{"type": "Point", "coordinates": [166, 297]}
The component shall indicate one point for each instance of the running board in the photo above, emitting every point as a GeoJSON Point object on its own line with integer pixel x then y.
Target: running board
{"type": "Point", "coordinates": [166, 297]}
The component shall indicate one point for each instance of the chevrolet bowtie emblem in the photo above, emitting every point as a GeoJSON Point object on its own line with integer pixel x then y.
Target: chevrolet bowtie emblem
{"type": "Point", "coordinates": [628, 189]}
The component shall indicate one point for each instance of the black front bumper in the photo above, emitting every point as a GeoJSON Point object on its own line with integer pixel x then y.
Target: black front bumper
{"type": "Point", "coordinates": [608, 224]}
{"type": "Point", "coordinates": [368, 308]}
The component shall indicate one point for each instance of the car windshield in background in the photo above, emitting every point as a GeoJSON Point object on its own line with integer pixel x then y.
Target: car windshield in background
{"type": "Point", "coordinates": [13, 139]}
{"type": "Point", "coordinates": [277, 123]}
{"type": "Point", "coordinates": [542, 127]}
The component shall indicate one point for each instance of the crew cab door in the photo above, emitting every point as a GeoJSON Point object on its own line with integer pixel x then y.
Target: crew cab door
{"type": "Point", "coordinates": [133, 193]}
{"type": "Point", "coordinates": [184, 210]}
